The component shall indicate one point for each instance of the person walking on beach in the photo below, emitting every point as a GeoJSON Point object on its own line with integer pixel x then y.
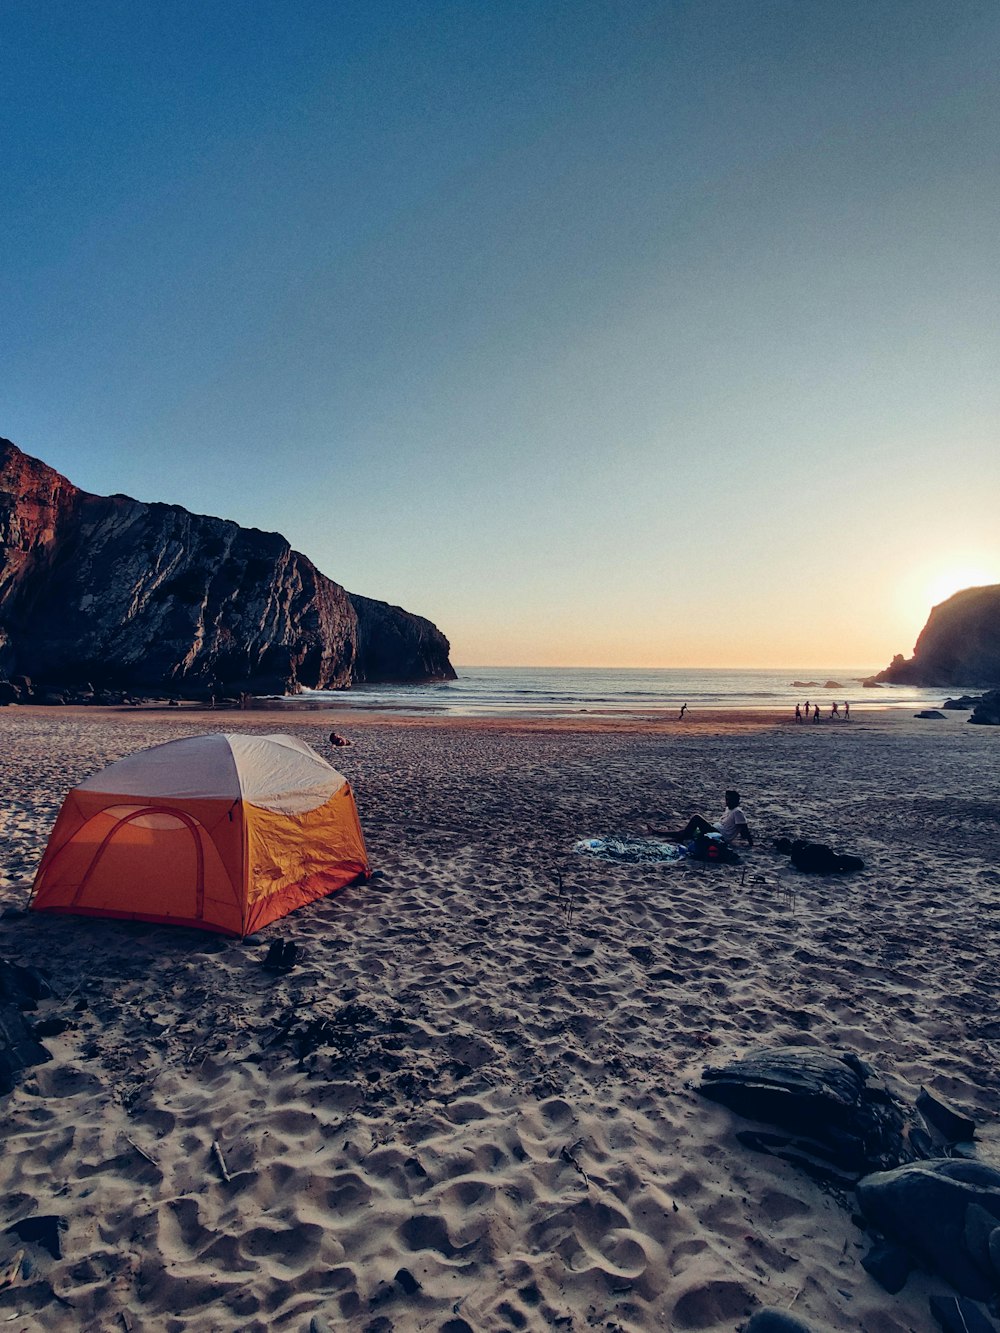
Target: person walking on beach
{"type": "Point", "coordinates": [732, 824]}
{"type": "Point", "coordinates": [847, 711]}
{"type": "Point", "coordinates": [684, 709]}
{"type": "Point", "coordinates": [807, 710]}
{"type": "Point", "coordinates": [815, 712]}
{"type": "Point", "coordinates": [798, 712]}
{"type": "Point", "coordinates": [834, 710]}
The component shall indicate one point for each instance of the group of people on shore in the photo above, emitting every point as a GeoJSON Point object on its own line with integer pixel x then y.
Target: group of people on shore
{"type": "Point", "coordinates": [802, 715]}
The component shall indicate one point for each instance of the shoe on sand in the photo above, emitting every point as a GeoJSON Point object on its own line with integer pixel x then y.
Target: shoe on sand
{"type": "Point", "coordinates": [273, 961]}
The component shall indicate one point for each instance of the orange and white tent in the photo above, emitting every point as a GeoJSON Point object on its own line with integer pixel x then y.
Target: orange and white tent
{"type": "Point", "coordinates": [223, 832]}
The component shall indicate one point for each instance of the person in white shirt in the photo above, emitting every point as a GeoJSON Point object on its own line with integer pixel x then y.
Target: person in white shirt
{"type": "Point", "coordinates": [731, 825]}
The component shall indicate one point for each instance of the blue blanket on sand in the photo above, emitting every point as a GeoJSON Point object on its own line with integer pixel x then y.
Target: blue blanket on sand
{"type": "Point", "coordinates": [631, 851]}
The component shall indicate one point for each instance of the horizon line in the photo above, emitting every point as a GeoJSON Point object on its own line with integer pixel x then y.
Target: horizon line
{"type": "Point", "coordinates": [567, 666]}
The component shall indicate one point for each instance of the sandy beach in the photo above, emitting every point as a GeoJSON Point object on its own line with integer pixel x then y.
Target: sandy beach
{"type": "Point", "coordinates": [471, 1105]}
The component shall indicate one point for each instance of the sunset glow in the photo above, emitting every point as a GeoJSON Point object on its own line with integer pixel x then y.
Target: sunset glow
{"type": "Point", "coordinates": [951, 581]}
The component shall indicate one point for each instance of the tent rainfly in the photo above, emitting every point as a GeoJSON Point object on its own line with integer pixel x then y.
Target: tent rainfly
{"type": "Point", "coordinates": [223, 832]}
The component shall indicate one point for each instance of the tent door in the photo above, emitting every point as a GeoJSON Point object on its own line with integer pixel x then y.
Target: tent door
{"type": "Point", "coordinates": [177, 842]}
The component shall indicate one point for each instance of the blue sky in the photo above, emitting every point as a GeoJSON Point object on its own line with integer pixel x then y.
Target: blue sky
{"type": "Point", "coordinates": [610, 334]}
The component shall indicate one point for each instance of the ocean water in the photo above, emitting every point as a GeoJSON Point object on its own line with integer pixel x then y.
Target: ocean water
{"type": "Point", "coordinates": [570, 691]}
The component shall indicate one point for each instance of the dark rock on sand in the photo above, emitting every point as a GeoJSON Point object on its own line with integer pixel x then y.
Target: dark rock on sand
{"type": "Point", "coordinates": [958, 1315]}
{"type": "Point", "coordinates": [979, 1227]}
{"type": "Point", "coordinates": [955, 1127]}
{"type": "Point", "coordinates": [959, 645]}
{"type": "Point", "coordinates": [889, 1265]}
{"type": "Point", "coordinates": [19, 1050]}
{"type": "Point", "coordinates": [928, 713]}
{"type": "Point", "coordinates": [963, 703]}
{"type": "Point", "coordinates": [824, 1097]}
{"type": "Point", "coordinates": [987, 711]}
{"type": "Point", "coordinates": [924, 1206]}
{"type": "Point", "coordinates": [50, 1027]}
{"type": "Point", "coordinates": [20, 988]}
{"type": "Point", "coordinates": [103, 593]}
{"type": "Point", "coordinates": [23, 986]}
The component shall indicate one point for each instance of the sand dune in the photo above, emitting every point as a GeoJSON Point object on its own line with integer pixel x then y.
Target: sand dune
{"type": "Point", "coordinates": [471, 1104]}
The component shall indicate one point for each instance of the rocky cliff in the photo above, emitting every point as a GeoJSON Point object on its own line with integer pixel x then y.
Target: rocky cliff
{"type": "Point", "coordinates": [959, 645]}
{"type": "Point", "coordinates": [114, 593]}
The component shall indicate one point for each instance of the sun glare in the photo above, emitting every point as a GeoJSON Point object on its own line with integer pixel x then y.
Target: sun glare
{"type": "Point", "coordinates": [945, 585]}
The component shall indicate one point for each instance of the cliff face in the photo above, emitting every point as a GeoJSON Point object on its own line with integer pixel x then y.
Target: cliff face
{"type": "Point", "coordinates": [959, 645]}
{"type": "Point", "coordinates": [396, 645]}
{"type": "Point", "coordinates": [120, 594]}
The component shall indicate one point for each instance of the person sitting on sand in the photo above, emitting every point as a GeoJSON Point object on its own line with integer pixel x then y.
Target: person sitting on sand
{"type": "Point", "coordinates": [339, 740]}
{"type": "Point", "coordinates": [732, 825]}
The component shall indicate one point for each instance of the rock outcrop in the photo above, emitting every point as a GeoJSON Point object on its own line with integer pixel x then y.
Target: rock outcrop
{"type": "Point", "coordinates": [925, 1207]}
{"type": "Point", "coordinates": [396, 645]}
{"type": "Point", "coordinates": [105, 592]}
{"type": "Point", "coordinates": [959, 645]}
{"type": "Point", "coordinates": [986, 711]}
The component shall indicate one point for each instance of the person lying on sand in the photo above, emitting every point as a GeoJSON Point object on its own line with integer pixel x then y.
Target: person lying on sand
{"type": "Point", "coordinates": [732, 825]}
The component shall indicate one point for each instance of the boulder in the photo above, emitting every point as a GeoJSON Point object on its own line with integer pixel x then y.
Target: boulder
{"type": "Point", "coordinates": [986, 713]}
{"type": "Point", "coordinates": [20, 988]}
{"type": "Point", "coordinates": [23, 986]}
{"type": "Point", "coordinates": [18, 1048]}
{"type": "Point", "coordinates": [889, 1265]}
{"type": "Point", "coordinates": [979, 1227]}
{"type": "Point", "coordinates": [955, 1314]}
{"type": "Point", "coordinates": [963, 703]}
{"type": "Point", "coordinates": [820, 1095]}
{"type": "Point", "coordinates": [929, 714]}
{"type": "Point", "coordinates": [951, 1124]}
{"type": "Point", "coordinates": [924, 1207]}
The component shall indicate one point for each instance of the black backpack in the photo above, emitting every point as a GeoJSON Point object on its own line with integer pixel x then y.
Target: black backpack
{"type": "Point", "coordinates": [815, 858]}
